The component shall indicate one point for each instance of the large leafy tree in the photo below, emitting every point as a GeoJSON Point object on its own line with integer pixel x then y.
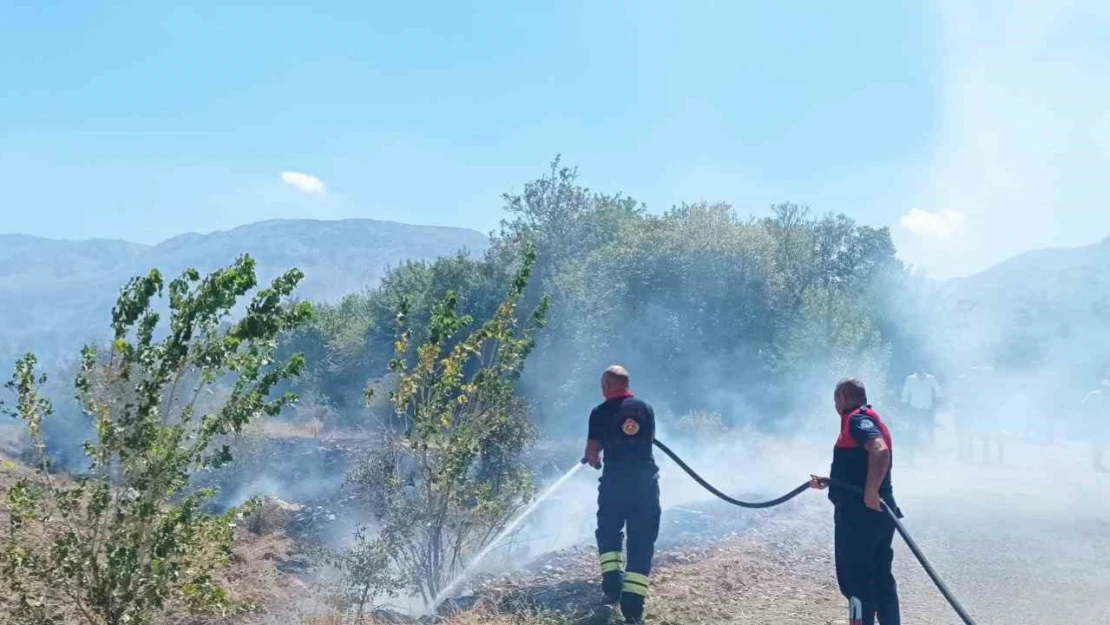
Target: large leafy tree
{"type": "Point", "coordinates": [675, 297]}
{"type": "Point", "coordinates": [707, 307]}
{"type": "Point", "coordinates": [714, 311]}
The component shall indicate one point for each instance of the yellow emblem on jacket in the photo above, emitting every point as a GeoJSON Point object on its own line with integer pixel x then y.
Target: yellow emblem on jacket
{"type": "Point", "coordinates": [630, 427]}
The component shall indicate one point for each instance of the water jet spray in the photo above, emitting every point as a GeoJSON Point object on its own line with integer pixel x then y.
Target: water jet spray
{"type": "Point", "coordinates": [512, 525]}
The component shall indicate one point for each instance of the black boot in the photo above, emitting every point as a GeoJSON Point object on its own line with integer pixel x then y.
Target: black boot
{"type": "Point", "coordinates": [611, 584]}
{"type": "Point", "coordinates": [632, 608]}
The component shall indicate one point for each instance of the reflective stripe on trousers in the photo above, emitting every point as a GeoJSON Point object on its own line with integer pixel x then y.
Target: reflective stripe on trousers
{"type": "Point", "coordinates": [610, 561]}
{"type": "Point", "coordinates": [636, 584]}
{"type": "Point", "coordinates": [632, 505]}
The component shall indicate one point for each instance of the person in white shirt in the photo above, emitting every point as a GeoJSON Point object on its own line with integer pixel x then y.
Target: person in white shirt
{"type": "Point", "coordinates": [920, 394]}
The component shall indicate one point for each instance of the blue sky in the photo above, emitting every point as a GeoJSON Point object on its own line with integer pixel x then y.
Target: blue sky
{"type": "Point", "coordinates": [144, 121]}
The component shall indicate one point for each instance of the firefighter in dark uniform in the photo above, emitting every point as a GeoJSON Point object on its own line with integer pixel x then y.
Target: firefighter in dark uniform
{"type": "Point", "coordinates": [864, 532]}
{"type": "Point", "coordinates": [622, 430]}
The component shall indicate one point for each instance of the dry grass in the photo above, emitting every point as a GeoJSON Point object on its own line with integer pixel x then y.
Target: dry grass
{"type": "Point", "coordinates": [760, 578]}
{"type": "Point", "coordinates": [309, 419]}
{"type": "Point", "coordinates": [271, 516]}
{"type": "Point", "coordinates": [261, 573]}
{"type": "Point", "coordinates": [311, 428]}
{"type": "Point", "coordinates": [14, 440]}
{"type": "Point", "coordinates": [523, 617]}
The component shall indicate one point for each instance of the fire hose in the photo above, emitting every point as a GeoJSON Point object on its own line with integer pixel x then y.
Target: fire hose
{"type": "Point", "coordinates": [937, 581]}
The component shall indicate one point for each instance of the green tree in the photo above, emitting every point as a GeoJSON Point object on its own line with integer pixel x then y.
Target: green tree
{"type": "Point", "coordinates": [563, 220]}
{"type": "Point", "coordinates": [441, 487]}
{"type": "Point", "coordinates": [682, 300]}
{"type": "Point", "coordinates": [129, 538]}
{"type": "Point", "coordinates": [357, 335]}
{"type": "Point", "coordinates": [567, 223]}
{"type": "Point", "coordinates": [706, 306]}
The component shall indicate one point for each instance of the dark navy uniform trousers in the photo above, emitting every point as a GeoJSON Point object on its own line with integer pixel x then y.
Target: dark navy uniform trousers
{"type": "Point", "coordinates": [627, 504]}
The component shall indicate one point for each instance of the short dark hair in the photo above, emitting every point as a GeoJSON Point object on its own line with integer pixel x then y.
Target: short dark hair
{"type": "Point", "coordinates": [853, 390]}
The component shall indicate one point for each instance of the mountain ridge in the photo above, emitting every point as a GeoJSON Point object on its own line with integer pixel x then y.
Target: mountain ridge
{"type": "Point", "coordinates": [193, 233]}
{"type": "Point", "coordinates": [65, 288]}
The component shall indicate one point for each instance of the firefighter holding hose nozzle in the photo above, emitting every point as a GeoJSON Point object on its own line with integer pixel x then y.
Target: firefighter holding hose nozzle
{"type": "Point", "coordinates": [864, 532]}
{"type": "Point", "coordinates": [621, 433]}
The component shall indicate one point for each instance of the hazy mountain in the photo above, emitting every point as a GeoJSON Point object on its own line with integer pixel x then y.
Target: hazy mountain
{"type": "Point", "coordinates": [1045, 304]}
{"type": "Point", "coordinates": [57, 295]}
{"type": "Point", "coordinates": [1072, 281]}
{"type": "Point", "coordinates": [1073, 274]}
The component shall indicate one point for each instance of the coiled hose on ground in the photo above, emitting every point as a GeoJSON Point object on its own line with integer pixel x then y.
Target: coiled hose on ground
{"type": "Point", "coordinates": [937, 581]}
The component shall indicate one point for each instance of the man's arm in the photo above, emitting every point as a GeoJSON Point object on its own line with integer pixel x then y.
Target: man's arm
{"type": "Point", "coordinates": [593, 454]}
{"type": "Point", "coordinates": [868, 435]}
{"type": "Point", "coordinates": [878, 463]}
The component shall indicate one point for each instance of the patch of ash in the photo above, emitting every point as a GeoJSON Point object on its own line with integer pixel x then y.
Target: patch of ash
{"type": "Point", "coordinates": [329, 521]}
{"type": "Point", "coordinates": [701, 524]}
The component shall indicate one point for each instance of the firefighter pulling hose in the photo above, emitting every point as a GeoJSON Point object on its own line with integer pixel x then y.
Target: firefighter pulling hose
{"type": "Point", "coordinates": [807, 485]}
{"type": "Point", "coordinates": [622, 433]}
{"type": "Point", "coordinates": [845, 486]}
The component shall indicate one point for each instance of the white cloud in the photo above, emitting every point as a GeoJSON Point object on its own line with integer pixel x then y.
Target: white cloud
{"type": "Point", "coordinates": [304, 182]}
{"type": "Point", "coordinates": [944, 224]}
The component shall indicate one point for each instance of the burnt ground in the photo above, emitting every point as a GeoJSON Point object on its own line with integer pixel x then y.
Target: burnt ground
{"type": "Point", "coordinates": [1024, 543]}
{"type": "Point", "coordinates": [1021, 543]}
{"type": "Point", "coordinates": [754, 572]}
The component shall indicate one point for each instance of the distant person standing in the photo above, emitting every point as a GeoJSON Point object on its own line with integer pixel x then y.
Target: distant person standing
{"type": "Point", "coordinates": [920, 394]}
{"type": "Point", "coordinates": [977, 413]}
{"type": "Point", "coordinates": [622, 432]}
{"type": "Point", "coordinates": [1097, 405]}
{"type": "Point", "coordinates": [864, 532]}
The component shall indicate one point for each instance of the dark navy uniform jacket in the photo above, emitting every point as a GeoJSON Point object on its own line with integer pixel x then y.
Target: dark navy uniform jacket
{"type": "Point", "coordinates": [625, 428]}
{"type": "Point", "coordinates": [850, 458]}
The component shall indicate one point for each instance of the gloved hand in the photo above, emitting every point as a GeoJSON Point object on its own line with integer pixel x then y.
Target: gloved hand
{"type": "Point", "coordinates": [596, 465]}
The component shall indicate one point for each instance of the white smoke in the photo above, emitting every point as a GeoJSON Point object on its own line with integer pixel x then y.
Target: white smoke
{"type": "Point", "coordinates": [1024, 134]}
